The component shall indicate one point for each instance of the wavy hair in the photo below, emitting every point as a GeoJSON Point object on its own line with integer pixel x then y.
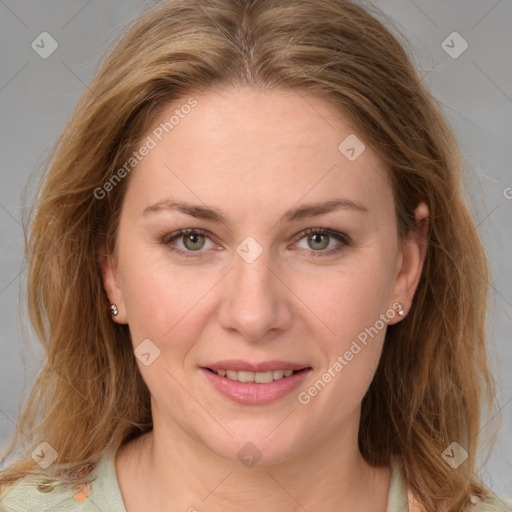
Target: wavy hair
{"type": "Point", "coordinates": [433, 377]}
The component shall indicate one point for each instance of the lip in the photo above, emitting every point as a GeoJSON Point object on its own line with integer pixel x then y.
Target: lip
{"type": "Point", "coordinates": [251, 393]}
{"type": "Point", "coordinates": [264, 366]}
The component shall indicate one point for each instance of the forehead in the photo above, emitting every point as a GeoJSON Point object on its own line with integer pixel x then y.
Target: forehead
{"type": "Point", "coordinates": [257, 149]}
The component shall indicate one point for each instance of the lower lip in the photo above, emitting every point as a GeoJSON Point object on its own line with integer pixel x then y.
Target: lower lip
{"type": "Point", "coordinates": [253, 393]}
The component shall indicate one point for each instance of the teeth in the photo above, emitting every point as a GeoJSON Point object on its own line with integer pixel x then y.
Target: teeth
{"type": "Point", "coordinates": [246, 376]}
{"type": "Point", "coordinates": [258, 377]}
{"type": "Point", "coordinates": [263, 377]}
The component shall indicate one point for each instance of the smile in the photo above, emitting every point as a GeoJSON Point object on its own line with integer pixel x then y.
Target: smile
{"type": "Point", "coordinates": [258, 377]}
{"type": "Point", "coordinates": [255, 384]}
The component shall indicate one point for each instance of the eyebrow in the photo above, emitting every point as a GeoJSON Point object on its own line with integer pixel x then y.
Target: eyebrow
{"type": "Point", "coordinates": [294, 214]}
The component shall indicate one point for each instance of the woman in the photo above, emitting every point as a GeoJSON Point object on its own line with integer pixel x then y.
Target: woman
{"type": "Point", "coordinates": [256, 278]}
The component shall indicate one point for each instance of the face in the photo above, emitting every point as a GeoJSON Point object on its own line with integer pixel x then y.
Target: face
{"type": "Point", "coordinates": [289, 262]}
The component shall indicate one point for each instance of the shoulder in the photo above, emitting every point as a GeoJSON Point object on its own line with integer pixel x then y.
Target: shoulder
{"type": "Point", "coordinates": [26, 495]}
{"type": "Point", "coordinates": [101, 493]}
{"type": "Point", "coordinates": [494, 503]}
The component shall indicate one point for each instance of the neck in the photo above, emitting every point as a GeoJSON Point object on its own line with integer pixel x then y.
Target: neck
{"type": "Point", "coordinates": [181, 473]}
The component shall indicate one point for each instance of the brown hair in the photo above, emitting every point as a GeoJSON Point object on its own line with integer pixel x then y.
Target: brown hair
{"type": "Point", "coordinates": [433, 376]}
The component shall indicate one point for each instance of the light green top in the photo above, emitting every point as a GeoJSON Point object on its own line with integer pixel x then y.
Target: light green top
{"type": "Point", "coordinates": [103, 494]}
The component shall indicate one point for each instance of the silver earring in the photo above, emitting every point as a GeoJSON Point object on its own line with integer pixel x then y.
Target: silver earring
{"type": "Point", "coordinates": [401, 310]}
{"type": "Point", "coordinates": [113, 310]}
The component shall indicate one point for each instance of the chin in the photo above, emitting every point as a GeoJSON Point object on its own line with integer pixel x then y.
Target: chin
{"type": "Point", "coordinates": [250, 445]}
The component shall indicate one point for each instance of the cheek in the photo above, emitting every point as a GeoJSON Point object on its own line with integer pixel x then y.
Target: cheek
{"type": "Point", "coordinates": [163, 302]}
{"type": "Point", "coordinates": [352, 304]}
{"type": "Point", "coordinates": [350, 297]}
{"type": "Point", "coordinates": [172, 305]}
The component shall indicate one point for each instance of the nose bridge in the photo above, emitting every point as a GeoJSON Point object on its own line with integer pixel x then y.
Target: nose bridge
{"type": "Point", "coordinates": [254, 301]}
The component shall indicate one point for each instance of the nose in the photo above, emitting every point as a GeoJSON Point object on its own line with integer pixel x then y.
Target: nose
{"type": "Point", "coordinates": [256, 303]}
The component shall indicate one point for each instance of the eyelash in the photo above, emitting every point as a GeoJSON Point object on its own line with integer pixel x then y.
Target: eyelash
{"type": "Point", "coordinates": [341, 237]}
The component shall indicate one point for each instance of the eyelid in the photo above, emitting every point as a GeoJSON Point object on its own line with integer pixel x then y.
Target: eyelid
{"type": "Point", "coordinates": [342, 238]}
{"type": "Point", "coordinates": [186, 231]}
{"type": "Point", "coordinates": [167, 239]}
{"type": "Point", "coordinates": [325, 231]}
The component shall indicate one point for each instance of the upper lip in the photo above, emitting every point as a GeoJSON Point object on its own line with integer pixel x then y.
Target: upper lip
{"type": "Point", "coordinates": [264, 366]}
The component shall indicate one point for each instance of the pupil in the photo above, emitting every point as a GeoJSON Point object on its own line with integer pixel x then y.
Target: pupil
{"type": "Point", "coordinates": [193, 239]}
{"type": "Point", "coordinates": [315, 239]}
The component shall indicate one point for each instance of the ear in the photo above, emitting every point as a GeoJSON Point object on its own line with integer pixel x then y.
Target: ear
{"type": "Point", "coordinates": [110, 283]}
{"type": "Point", "coordinates": [411, 261]}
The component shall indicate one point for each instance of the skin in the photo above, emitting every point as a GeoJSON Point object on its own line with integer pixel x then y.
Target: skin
{"type": "Point", "coordinates": [252, 155]}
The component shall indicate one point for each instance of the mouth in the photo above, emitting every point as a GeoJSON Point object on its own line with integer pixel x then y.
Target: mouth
{"type": "Point", "coordinates": [254, 384]}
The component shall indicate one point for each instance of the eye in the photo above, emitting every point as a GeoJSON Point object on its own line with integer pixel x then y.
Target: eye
{"type": "Point", "coordinates": [319, 239]}
{"type": "Point", "coordinates": [193, 241]}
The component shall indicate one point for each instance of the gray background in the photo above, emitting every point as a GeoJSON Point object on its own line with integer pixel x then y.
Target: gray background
{"type": "Point", "coordinates": [37, 96]}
